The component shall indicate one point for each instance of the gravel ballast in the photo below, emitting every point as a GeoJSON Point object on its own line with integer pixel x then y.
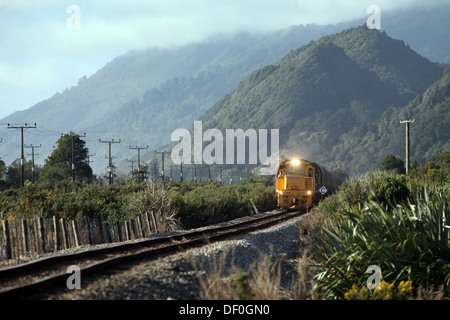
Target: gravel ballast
{"type": "Point", "coordinates": [174, 276]}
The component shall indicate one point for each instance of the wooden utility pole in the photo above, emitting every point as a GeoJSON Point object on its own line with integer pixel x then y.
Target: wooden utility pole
{"type": "Point", "coordinates": [139, 159]}
{"type": "Point", "coordinates": [32, 157]}
{"type": "Point", "coordinates": [132, 167]}
{"type": "Point", "coordinates": [407, 122]}
{"type": "Point", "coordinates": [162, 161]}
{"type": "Point", "coordinates": [110, 165]}
{"type": "Point", "coordinates": [22, 158]}
{"type": "Point", "coordinates": [72, 136]}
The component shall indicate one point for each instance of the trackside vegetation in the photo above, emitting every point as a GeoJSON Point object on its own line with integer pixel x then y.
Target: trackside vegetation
{"type": "Point", "coordinates": [396, 222]}
{"type": "Point", "coordinates": [385, 219]}
{"type": "Point", "coordinates": [190, 204]}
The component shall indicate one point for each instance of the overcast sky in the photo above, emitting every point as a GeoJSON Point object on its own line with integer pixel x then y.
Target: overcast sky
{"type": "Point", "coordinates": [41, 55]}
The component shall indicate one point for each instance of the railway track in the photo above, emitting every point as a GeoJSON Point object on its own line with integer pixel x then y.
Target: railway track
{"type": "Point", "coordinates": [46, 273]}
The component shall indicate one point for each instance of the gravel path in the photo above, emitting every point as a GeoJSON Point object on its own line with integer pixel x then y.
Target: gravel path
{"type": "Point", "coordinates": [174, 276]}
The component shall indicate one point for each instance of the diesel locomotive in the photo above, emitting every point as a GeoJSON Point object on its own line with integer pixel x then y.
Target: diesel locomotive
{"type": "Point", "coordinates": [301, 183]}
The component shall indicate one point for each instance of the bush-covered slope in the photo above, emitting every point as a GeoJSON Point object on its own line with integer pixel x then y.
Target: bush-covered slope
{"type": "Point", "coordinates": [326, 96]}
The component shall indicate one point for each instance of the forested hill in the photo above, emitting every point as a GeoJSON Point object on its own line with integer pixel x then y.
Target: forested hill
{"type": "Point", "coordinates": [328, 96]}
{"type": "Point", "coordinates": [142, 96]}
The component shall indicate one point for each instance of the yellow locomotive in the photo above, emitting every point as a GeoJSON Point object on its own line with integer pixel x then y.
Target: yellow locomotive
{"type": "Point", "coordinates": [301, 183]}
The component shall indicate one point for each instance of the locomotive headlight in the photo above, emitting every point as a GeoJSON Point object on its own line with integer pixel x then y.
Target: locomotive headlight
{"type": "Point", "coordinates": [309, 192]}
{"type": "Point", "coordinates": [295, 162]}
{"type": "Point", "coordinates": [281, 192]}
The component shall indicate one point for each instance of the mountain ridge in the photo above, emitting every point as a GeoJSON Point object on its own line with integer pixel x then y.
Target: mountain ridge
{"type": "Point", "coordinates": [109, 108]}
{"type": "Point", "coordinates": [307, 80]}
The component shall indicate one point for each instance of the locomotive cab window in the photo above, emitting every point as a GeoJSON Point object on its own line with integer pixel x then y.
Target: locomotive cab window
{"type": "Point", "coordinates": [300, 169]}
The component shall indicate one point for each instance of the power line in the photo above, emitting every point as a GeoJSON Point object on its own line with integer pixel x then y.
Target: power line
{"type": "Point", "coordinates": [21, 127]}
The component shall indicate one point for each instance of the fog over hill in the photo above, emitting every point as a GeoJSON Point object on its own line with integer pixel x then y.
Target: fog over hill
{"type": "Point", "coordinates": [142, 96]}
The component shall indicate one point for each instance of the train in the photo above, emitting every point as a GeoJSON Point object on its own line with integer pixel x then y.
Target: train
{"type": "Point", "coordinates": [300, 183]}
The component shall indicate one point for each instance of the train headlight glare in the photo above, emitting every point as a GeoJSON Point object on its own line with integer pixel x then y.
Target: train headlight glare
{"type": "Point", "coordinates": [281, 192]}
{"type": "Point", "coordinates": [295, 162]}
{"type": "Point", "coordinates": [309, 192]}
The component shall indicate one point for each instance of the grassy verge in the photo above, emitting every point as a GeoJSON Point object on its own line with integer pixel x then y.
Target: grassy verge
{"type": "Point", "coordinates": [398, 223]}
{"type": "Point", "coordinates": [188, 204]}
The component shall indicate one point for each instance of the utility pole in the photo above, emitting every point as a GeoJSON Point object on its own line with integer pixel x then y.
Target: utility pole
{"type": "Point", "coordinates": [139, 159]}
{"type": "Point", "coordinates": [171, 172]}
{"type": "Point", "coordinates": [22, 158]}
{"type": "Point", "coordinates": [181, 172]}
{"type": "Point", "coordinates": [162, 158]}
{"type": "Point", "coordinates": [132, 167]}
{"type": "Point", "coordinates": [407, 122]}
{"type": "Point", "coordinates": [209, 171]}
{"type": "Point", "coordinates": [221, 175]}
{"type": "Point", "coordinates": [32, 156]}
{"type": "Point", "coordinates": [73, 135]}
{"type": "Point", "coordinates": [110, 164]}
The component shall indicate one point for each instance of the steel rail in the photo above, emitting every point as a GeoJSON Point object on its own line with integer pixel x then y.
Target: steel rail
{"type": "Point", "coordinates": [152, 248]}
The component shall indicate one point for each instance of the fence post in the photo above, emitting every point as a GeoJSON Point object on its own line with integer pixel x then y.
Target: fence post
{"type": "Point", "coordinates": [154, 222]}
{"type": "Point", "coordinates": [23, 227]}
{"type": "Point", "coordinates": [7, 239]}
{"type": "Point", "coordinates": [127, 233]}
{"type": "Point", "coordinates": [40, 234]}
{"type": "Point", "coordinates": [139, 223]}
{"type": "Point", "coordinates": [55, 235]}
{"type": "Point", "coordinates": [148, 223]}
{"type": "Point", "coordinates": [119, 232]}
{"type": "Point", "coordinates": [77, 244]}
{"type": "Point", "coordinates": [63, 229]}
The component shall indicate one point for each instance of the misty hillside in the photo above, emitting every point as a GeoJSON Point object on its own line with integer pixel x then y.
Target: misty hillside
{"type": "Point", "coordinates": [319, 94]}
{"type": "Point", "coordinates": [137, 97]}
{"type": "Point", "coordinates": [142, 96]}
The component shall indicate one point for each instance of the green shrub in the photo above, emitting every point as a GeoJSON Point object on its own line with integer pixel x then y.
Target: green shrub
{"type": "Point", "coordinates": [390, 190]}
{"type": "Point", "coordinates": [408, 242]}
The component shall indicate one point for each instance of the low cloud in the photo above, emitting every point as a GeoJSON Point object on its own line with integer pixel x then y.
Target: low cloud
{"type": "Point", "coordinates": [34, 36]}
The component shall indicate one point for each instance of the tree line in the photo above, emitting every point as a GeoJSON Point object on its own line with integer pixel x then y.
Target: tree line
{"type": "Point", "coordinates": [70, 152]}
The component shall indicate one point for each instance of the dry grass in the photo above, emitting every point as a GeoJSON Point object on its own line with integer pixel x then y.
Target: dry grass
{"type": "Point", "coordinates": [265, 280]}
{"type": "Point", "coordinates": [217, 282]}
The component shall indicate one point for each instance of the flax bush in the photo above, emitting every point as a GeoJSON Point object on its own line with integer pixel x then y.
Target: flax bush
{"type": "Point", "coordinates": [407, 241]}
